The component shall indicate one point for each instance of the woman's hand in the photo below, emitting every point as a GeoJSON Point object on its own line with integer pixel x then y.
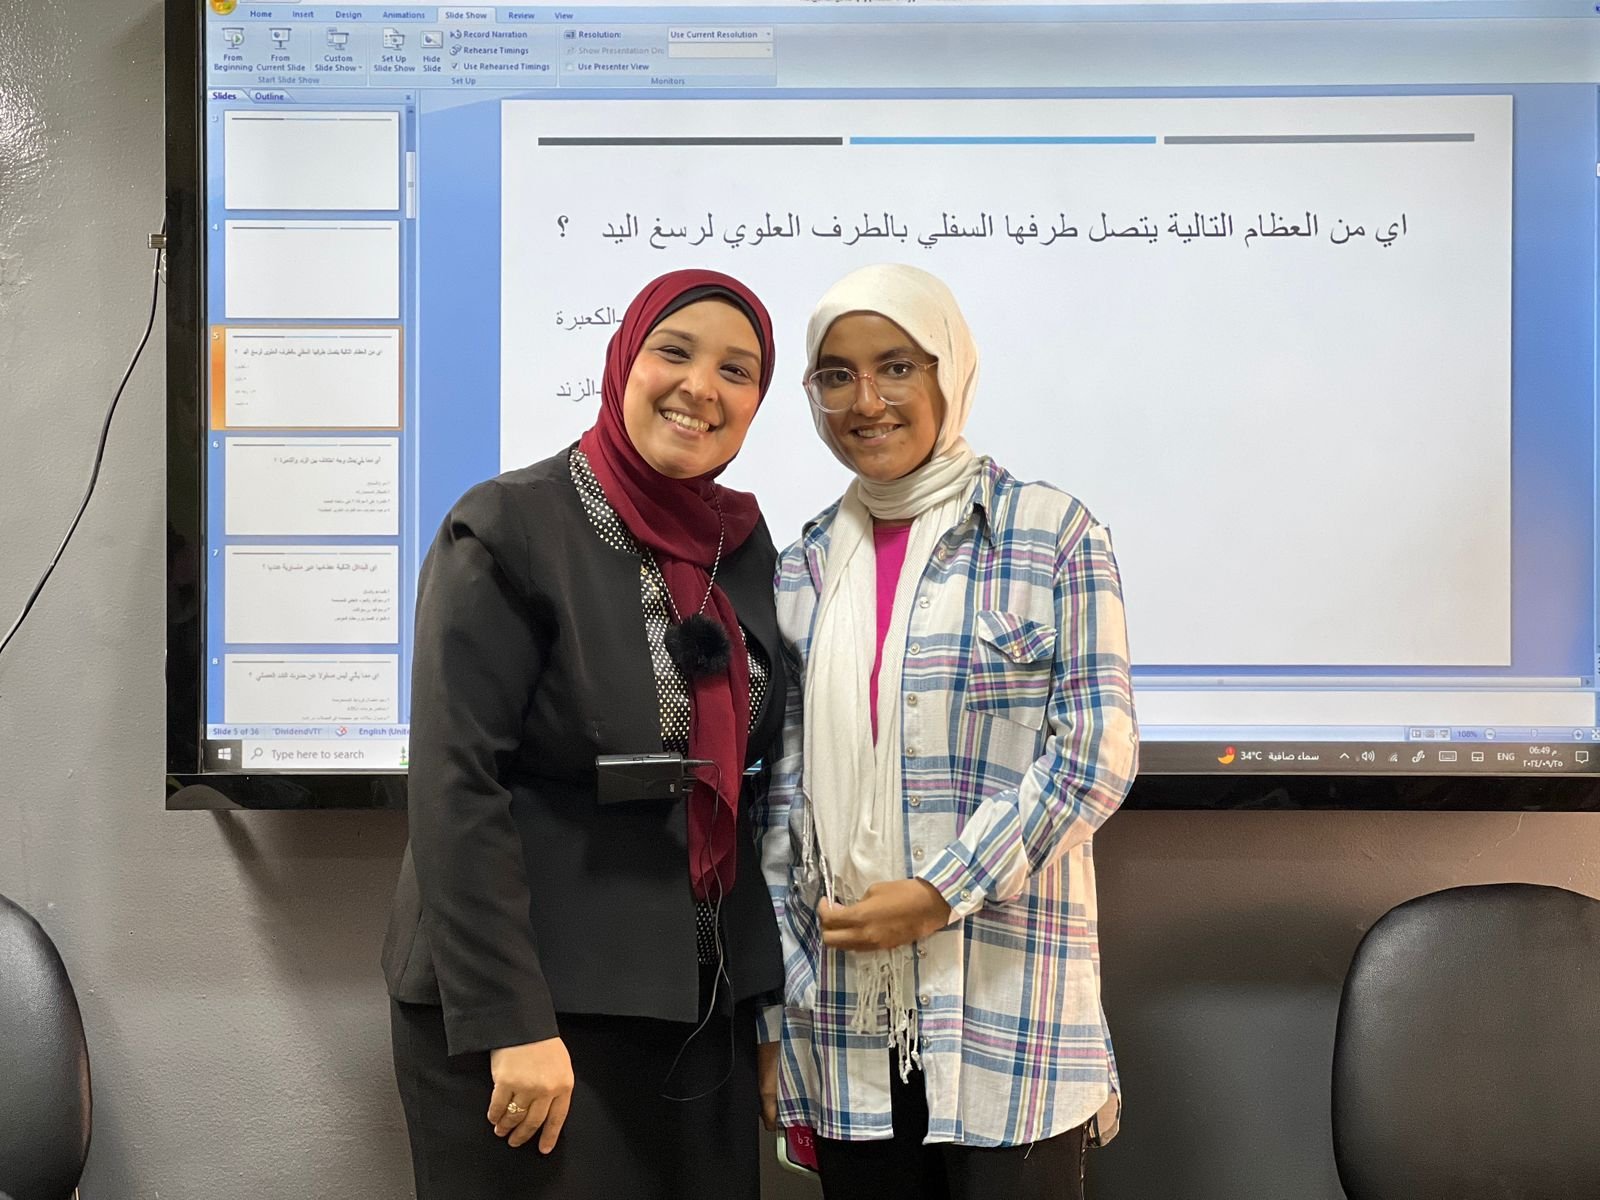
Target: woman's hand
{"type": "Point", "coordinates": [767, 1077]}
{"type": "Point", "coordinates": [536, 1080]}
{"type": "Point", "coordinates": [888, 915]}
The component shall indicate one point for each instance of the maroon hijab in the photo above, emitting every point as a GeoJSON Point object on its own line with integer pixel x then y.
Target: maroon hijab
{"type": "Point", "coordinates": [682, 520]}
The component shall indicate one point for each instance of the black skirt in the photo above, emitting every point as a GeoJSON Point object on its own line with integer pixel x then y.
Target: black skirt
{"type": "Point", "coordinates": [626, 1136]}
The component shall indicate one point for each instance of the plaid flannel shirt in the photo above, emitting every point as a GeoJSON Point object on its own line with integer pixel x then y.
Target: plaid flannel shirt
{"type": "Point", "coordinates": [1020, 739]}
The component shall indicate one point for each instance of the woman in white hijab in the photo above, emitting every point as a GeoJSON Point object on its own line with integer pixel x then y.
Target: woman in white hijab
{"type": "Point", "coordinates": [964, 725]}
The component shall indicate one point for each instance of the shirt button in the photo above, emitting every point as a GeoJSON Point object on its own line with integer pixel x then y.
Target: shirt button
{"type": "Point", "coordinates": [924, 999]}
{"type": "Point", "coordinates": [917, 854]}
{"type": "Point", "coordinates": [912, 699]}
{"type": "Point", "coordinates": [914, 648]}
{"type": "Point", "coordinates": [915, 802]}
{"type": "Point", "coordinates": [922, 952]}
{"type": "Point", "coordinates": [911, 751]}
{"type": "Point", "coordinates": [942, 553]}
{"type": "Point", "coordinates": [922, 603]}
{"type": "Point", "coordinates": [966, 893]}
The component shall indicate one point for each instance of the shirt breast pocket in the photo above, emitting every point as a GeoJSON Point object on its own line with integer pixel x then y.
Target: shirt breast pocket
{"type": "Point", "coordinates": [1011, 666]}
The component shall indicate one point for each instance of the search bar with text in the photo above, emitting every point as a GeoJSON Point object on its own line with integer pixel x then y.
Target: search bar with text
{"type": "Point", "coordinates": [324, 754]}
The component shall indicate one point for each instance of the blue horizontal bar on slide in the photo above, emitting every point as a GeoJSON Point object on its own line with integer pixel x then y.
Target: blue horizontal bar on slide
{"type": "Point", "coordinates": [1002, 141]}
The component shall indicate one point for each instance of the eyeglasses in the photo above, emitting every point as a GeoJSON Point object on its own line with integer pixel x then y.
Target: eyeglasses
{"type": "Point", "coordinates": [834, 389]}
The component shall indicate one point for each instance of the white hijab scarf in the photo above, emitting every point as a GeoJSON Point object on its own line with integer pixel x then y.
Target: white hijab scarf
{"type": "Point", "coordinates": [856, 789]}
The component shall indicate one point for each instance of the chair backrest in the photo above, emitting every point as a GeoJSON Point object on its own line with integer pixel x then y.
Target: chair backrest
{"type": "Point", "coordinates": [44, 1065]}
{"type": "Point", "coordinates": [1467, 1060]}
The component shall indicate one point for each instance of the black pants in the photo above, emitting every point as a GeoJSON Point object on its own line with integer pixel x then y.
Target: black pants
{"type": "Point", "coordinates": [902, 1168]}
{"type": "Point", "coordinates": [623, 1140]}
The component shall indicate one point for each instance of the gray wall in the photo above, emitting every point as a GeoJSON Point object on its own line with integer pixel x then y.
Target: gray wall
{"type": "Point", "coordinates": [1225, 939]}
{"type": "Point", "coordinates": [225, 963]}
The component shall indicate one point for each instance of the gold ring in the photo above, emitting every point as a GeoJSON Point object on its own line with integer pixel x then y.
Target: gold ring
{"type": "Point", "coordinates": [514, 1108]}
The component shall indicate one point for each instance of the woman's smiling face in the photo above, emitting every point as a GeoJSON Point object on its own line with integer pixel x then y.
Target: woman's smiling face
{"type": "Point", "coordinates": [882, 442]}
{"type": "Point", "coordinates": [693, 389]}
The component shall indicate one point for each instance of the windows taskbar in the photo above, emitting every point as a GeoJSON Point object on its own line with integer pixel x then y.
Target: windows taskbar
{"type": "Point", "coordinates": [1173, 775]}
{"type": "Point", "coordinates": [1367, 758]}
{"type": "Point", "coordinates": [1156, 757]}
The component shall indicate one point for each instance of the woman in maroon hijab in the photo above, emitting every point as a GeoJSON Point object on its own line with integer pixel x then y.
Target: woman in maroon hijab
{"type": "Point", "coordinates": [575, 976]}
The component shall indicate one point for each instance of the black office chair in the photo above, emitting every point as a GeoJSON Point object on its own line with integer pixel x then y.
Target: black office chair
{"type": "Point", "coordinates": [1467, 1060]}
{"type": "Point", "coordinates": [44, 1066]}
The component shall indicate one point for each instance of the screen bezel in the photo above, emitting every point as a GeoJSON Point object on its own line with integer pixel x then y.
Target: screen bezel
{"type": "Point", "coordinates": [189, 786]}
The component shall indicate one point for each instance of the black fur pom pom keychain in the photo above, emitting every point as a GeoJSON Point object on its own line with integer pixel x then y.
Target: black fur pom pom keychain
{"type": "Point", "coordinates": [699, 646]}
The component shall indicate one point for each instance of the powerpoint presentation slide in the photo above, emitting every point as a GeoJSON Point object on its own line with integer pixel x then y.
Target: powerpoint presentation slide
{"type": "Point", "coordinates": [312, 270]}
{"type": "Point", "coordinates": [298, 377]}
{"type": "Point", "coordinates": [311, 689]}
{"type": "Point", "coordinates": [311, 595]}
{"type": "Point", "coordinates": [290, 160]}
{"type": "Point", "coordinates": [1267, 340]}
{"type": "Point", "coordinates": [311, 486]}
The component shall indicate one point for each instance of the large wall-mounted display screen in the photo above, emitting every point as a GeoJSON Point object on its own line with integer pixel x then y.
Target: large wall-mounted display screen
{"type": "Point", "coordinates": [1298, 298]}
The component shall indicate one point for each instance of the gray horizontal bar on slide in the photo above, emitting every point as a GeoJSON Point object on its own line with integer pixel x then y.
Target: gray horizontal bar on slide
{"type": "Point", "coordinates": [1305, 139]}
{"type": "Point", "coordinates": [691, 141]}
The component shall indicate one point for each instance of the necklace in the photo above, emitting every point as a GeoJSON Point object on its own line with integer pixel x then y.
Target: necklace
{"type": "Point", "coordinates": [699, 645]}
{"type": "Point", "coordinates": [711, 582]}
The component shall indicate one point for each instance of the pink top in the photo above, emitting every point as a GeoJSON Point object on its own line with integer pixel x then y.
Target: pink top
{"type": "Point", "coordinates": [889, 543]}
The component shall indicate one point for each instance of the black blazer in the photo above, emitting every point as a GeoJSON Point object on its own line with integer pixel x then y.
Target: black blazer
{"type": "Point", "coordinates": [520, 895]}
